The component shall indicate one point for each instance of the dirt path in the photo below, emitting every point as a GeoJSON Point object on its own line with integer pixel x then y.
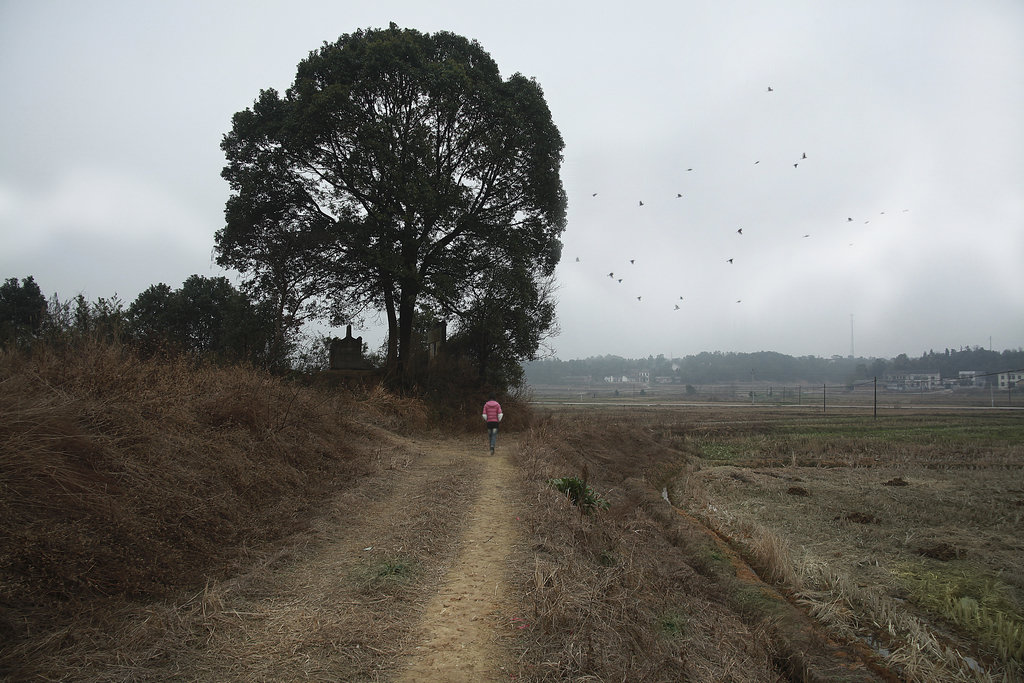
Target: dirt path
{"type": "Point", "coordinates": [402, 579]}
{"type": "Point", "coordinates": [463, 621]}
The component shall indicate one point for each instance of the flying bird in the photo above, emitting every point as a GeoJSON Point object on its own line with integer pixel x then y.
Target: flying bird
{"type": "Point", "coordinates": [620, 280]}
{"type": "Point", "coordinates": [806, 235]}
{"type": "Point", "coordinates": [678, 195]}
{"type": "Point", "coordinates": [632, 260]}
{"type": "Point", "coordinates": [849, 220]}
{"type": "Point", "coordinates": [638, 298]}
{"type": "Point", "coordinates": [757, 162]}
{"type": "Point", "coordinates": [677, 307]}
{"type": "Point", "coordinates": [612, 275]}
{"type": "Point", "coordinates": [804, 155]}
{"type": "Point", "coordinates": [594, 195]}
{"type": "Point", "coordinates": [770, 89]}
{"type": "Point", "coordinates": [641, 202]}
{"type": "Point", "coordinates": [577, 259]}
{"type": "Point", "coordinates": [795, 165]}
{"type": "Point", "coordinates": [740, 231]}
{"type": "Point", "coordinates": [729, 260]}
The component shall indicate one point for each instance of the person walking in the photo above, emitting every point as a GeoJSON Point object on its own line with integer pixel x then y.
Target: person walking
{"type": "Point", "coordinates": [492, 416]}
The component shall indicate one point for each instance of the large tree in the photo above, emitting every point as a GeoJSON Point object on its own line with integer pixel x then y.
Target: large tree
{"type": "Point", "coordinates": [414, 165]}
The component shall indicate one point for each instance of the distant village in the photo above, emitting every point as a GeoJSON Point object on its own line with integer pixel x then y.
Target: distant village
{"type": "Point", "coordinates": [965, 369]}
{"type": "Point", "coordinates": [909, 381]}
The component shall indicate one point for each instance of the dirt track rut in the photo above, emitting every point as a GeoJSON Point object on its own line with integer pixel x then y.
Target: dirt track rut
{"type": "Point", "coordinates": [464, 621]}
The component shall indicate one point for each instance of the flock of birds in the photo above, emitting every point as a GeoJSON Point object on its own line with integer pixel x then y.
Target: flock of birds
{"type": "Point", "coordinates": [739, 231]}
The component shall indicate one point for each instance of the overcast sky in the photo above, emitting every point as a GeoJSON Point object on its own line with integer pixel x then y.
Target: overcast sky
{"type": "Point", "coordinates": [904, 224]}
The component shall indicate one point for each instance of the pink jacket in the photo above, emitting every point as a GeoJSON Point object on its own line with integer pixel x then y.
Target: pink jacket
{"type": "Point", "coordinates": [492, 411]}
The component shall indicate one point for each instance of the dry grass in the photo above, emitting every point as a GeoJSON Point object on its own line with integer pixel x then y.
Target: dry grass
{"type": "Point", "coordinates": [129, 481]}
{"type": "Point", "coordinates": [919, 650]}
{"type": "Point", "coordinates": [895, 528]}
{"type": "Point", "coordinates": [613, 596]}
{"type": "Point", "coordinates": [843, 513]}
{"type": "Point", "coordinates": [773, 556]}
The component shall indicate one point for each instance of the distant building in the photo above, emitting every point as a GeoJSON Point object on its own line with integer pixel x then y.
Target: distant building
{"type": "Point", "coordinates": [436, 337]}
{"type": "Point", "coordinates": [642, 377]}
{"type": "Point", "coordinates": [972, 378]}
{"type": "Point", "coordinates": [1009, 380]}
{"type": "Point", "coordinates": [913, 381]}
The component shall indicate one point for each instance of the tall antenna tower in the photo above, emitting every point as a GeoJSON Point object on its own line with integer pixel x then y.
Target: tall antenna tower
{"type": "Point", "coordinates": [851, 336]}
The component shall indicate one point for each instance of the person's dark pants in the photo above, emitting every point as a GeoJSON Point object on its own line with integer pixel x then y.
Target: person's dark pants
{"type": "Point", "coordinates": [492, 429]}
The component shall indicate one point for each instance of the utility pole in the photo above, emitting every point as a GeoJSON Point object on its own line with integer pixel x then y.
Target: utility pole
{"type": "Point", "coordinates": [851, 336]}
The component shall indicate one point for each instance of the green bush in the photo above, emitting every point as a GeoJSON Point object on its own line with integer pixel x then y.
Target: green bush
{"type": "Point", "coordinates": [579, 494]}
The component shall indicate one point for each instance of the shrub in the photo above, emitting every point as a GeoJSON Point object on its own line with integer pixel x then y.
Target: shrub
{"type": "Point", "coordinates": [580, 494]}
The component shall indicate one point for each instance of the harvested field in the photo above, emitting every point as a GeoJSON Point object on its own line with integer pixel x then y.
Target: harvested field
{"type": "Point", "coordinates": [902, 532]}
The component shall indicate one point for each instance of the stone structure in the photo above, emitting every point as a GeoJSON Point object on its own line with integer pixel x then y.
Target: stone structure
{"type": "Point", "coordinates": [435, 339]}
{"type": "Point", "coordinates": [347, 353]}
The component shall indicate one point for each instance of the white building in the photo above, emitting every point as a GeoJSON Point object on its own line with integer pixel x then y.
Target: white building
{"type": "Point", "coordinates": [913, 381]}
{"type": "Point", "coordinates": [972, 378]}
{"type": "Point", "coordinates": [1010, 379]}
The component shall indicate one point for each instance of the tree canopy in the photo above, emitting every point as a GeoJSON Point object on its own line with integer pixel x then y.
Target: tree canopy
{"type": "Point", "coordinates": [22, 308]}
{"type": "Point", "coordinates": [398, 171]}
{"type": "Point", "coordinates": [206, 316]}
{"type": "Point", "coordinates": [503, 327]}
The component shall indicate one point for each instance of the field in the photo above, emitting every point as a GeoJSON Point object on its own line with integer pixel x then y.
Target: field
{"type": "Point", "coordinates": [901, 530]}
{"type": "Point", "coordinates": [863, 394]}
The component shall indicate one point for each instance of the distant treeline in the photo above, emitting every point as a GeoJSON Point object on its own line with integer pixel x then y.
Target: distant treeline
{"type": "Point", "coordinates": [206, 317]}
{"type": "Point", "coordinates": [209, 318]}
{"type": "Point", "coordinates": [769, 366]}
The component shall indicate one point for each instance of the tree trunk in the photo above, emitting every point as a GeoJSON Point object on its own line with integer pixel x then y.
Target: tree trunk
{"type": "Point", "coordinates": [391, 362]}
{"type": "Point", "coordinates": [406, 315]}
{"type": "Point", "coordinates": [276, 360]}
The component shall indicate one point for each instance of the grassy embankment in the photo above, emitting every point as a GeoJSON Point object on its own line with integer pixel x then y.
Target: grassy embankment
{"type": "Point", "coordinates": [128, 481]}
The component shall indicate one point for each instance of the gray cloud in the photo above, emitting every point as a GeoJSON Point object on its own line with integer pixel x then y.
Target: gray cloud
{"type": "Point", "coordinates": [113, 114]}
